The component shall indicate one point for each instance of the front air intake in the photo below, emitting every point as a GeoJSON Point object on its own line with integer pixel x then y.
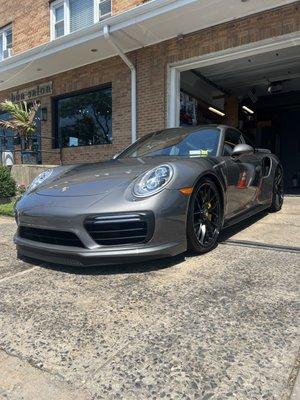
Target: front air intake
{"type": "Point", "coordinates": [120, 229]}
{"type": "Point", "coordinates": [50, 236]}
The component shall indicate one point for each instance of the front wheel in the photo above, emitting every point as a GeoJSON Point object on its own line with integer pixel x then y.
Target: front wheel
{"type": "Point", "coordinates": [204, 220]}
{"type": "Point", "coordinates": [278, 190]}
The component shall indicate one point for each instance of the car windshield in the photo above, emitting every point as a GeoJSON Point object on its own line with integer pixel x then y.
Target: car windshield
{"type": "Point", "coordinates": [186, 142]}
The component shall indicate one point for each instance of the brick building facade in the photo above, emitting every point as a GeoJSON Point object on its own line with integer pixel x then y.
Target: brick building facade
{"type": "Point", "coordinates": [31, 28]}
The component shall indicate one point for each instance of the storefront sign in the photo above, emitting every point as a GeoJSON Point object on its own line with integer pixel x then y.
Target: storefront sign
{"type": "Point", "coordinates": [32, 92]}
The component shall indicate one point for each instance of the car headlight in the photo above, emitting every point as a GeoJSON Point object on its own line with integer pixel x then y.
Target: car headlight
{"type": "Point", "coordinates": [153, 181]}
{"type": "Point", "coordinates": [40, 179]}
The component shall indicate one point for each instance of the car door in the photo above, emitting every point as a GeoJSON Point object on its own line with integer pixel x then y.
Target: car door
{"type": "Point", "coordinates": [242, 173]}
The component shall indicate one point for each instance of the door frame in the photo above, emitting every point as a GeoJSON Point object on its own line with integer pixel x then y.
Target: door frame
{"type": "Point", "coordinates": [247, 50]}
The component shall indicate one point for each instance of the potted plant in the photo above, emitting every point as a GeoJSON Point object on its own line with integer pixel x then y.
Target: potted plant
{"type": "Point", "coordinates": [21, 122]}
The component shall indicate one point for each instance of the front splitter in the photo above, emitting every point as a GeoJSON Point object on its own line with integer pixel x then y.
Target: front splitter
{"type": "Point", "coordinates": [88, 259]}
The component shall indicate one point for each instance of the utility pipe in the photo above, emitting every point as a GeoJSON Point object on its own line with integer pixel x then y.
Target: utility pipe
{"type": "Point", "coordinates": [121, 53]}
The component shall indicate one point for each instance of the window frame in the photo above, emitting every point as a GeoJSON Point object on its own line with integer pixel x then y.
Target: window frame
{"type": "Point", "coordinates": [67, 24]}
{"type": "Point", "coordinates": [55, 124]}
{"type": "Point", "coordinates": [237, 132]}
{"type": "Point", "coordinates": [3, 37]}
{"type": "Point", "coordinates": [53, 6]}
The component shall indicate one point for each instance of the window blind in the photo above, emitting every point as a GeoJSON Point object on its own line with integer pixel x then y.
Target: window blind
{"type": "Point", "coordinates": [81, 14]}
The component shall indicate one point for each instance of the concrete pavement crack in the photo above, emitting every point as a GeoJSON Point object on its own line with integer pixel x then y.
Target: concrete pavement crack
{"type": "Point", "coordinates": [17, 274]}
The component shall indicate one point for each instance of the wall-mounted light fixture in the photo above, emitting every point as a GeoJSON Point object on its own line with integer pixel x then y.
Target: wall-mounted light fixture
{"type": "Point", "coordinates": [44, 112]}
{"type": "Point", "coordinates": [214, 110]}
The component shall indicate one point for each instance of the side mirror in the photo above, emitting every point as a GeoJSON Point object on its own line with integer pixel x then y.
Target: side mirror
{"type": "Point", "coordinates": [241, 149]}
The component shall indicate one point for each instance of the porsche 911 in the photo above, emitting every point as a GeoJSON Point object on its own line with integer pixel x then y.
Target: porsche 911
{"type": "Point", "coordinates": [171, 191]}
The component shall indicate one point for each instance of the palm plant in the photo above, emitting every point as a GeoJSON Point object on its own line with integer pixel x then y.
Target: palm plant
{"type": "Point", "coordinates": [21, 118]}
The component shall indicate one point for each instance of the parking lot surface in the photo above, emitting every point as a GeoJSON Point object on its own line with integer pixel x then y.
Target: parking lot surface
{"type": "Point", "coordinates": [222, 325]}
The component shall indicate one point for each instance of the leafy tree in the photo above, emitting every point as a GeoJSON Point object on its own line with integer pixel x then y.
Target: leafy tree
{"type": "Point", "coordinates": [21, 118]}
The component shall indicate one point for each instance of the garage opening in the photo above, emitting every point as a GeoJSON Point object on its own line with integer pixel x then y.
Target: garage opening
{"type": "Point", "coordinates": [259, 94]}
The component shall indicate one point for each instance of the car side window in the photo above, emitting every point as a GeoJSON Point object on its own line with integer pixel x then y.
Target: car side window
{"type": "Point", "coordinates": [232, 138]}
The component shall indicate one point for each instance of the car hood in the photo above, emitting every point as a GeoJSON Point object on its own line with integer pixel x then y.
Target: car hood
{"type": "Point", "coordinates": [98, 178]}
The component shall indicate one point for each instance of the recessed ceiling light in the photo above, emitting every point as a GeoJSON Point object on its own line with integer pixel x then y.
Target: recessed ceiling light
{"type": "Point", "coordinates": [94, 50]}
{"type": "Point", "coordinates": [214, 110]}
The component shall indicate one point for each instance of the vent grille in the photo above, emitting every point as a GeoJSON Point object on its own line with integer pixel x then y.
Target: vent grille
{"type": "Point", "coordinates": [60, 238]}
{"type": "Point", "coordinates": [120, 229]}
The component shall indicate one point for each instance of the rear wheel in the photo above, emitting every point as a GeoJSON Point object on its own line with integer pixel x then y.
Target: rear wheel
{"type": "Point", "coordinates": [204, 218]}
{"type": "Point", "coordinates": [278, 190]}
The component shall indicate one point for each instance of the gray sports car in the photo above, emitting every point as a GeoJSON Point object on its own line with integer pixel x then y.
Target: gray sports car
{"type": "Point", "coordinates": [170, 191]}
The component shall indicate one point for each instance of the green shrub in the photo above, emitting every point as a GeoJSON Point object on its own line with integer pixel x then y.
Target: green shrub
{"type": "Point", "coordinates": [7, 184]}
{"type": "Point", "coordinates": [7, 209]}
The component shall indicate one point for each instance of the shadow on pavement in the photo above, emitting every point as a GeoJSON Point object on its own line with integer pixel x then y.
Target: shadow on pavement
{"type": "Point", "coordinates": [132, 268]}
{"type": "Point", "coordinates": [227, 233]}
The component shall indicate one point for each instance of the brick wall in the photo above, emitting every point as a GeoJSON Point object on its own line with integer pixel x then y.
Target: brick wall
{"type": "Point", "coordinates": [109, 71]}
{"type": "Point", "coordinates": [151, 63]}
{"type": "Point", "coordinates": [30, 21]}
{"type": "Point", "coordinates": [113, 71]}
{"type": "Point", "coordinates": [119, 6]}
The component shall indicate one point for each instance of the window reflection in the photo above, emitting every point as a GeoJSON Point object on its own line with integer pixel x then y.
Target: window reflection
{"type": "Point", "coordinates": [84, 119]}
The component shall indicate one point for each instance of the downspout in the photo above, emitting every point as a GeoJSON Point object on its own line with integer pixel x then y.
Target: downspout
{"type": "Point", "coordinates": [121, 53]}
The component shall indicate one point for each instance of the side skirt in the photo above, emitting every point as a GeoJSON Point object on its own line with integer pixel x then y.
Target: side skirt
{"type": "Point", "coordinates": [245, 215]}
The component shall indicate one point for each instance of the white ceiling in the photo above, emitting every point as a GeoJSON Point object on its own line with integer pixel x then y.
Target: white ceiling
{"type": "Point", "coordinates": [147, 24]}
{"type": "Point", "coordinates": [191, 84]}
{"type": "Point", "coordinates": [241, 75]}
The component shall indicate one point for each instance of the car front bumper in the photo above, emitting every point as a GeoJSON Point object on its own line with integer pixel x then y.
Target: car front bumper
{"type": "Point", "coordinates": [167, 239]}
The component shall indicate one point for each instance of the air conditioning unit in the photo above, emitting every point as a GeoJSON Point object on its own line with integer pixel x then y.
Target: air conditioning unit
{"type": "Point", "coordinates": [7, 53]}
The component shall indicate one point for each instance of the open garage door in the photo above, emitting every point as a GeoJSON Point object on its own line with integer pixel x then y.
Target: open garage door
{"type": "Point", "coordinates": [258, 93]}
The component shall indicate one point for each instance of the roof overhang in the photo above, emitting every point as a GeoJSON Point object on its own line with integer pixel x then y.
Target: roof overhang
{"type": "Point", "coordinates": [145, 25]}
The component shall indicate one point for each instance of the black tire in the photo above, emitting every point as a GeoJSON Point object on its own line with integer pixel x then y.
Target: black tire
{"type": "Point", "coordinates": [278, 190]}
{"type": "Point", "coordinates": [204, 219]}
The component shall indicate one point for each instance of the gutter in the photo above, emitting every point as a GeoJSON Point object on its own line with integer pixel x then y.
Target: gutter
{"type": "Point", "coordinates": [109, 37]}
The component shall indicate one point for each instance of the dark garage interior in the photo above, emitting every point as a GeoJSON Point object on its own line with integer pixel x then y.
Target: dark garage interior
{"type": "Point", "coordinates": [259, 95]}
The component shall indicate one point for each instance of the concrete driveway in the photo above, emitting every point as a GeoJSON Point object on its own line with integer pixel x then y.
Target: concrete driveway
{"type": "Point", "coordinates": [218, 326]}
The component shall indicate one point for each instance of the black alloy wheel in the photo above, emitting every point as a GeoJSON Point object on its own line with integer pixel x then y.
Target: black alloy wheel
{"type": "Point", "coordinates": [278, 190]}
{"type": "Point", "coordinates": [204, 217]}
